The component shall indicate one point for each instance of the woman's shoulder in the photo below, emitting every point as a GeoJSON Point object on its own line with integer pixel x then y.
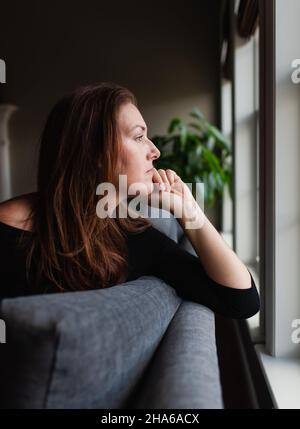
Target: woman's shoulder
{"type": "Point", "coordinates": [15, 212]}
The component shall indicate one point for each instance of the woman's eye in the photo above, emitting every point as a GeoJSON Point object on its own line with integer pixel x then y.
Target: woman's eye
{"type": "Point", "coordinates": [140, 137]}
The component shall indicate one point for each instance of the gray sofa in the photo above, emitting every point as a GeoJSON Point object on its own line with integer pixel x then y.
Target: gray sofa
{"type": "Point", "coordinates": [135, 345]}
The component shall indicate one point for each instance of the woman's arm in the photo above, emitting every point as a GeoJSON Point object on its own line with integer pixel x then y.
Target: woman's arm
{"type": "Point", "coordinates": [154, 253]}
{"type": "Point", "coordinates": [219, 261]}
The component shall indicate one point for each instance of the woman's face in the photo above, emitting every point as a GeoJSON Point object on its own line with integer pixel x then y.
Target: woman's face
{"type": "Point", "coordinates": [138, 151]}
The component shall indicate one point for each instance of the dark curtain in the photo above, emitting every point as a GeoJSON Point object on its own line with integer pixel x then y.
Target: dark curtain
{"type": "Point", "coordinates": [226, 38]}
{"type": "Point", "coordinates": [247, 18]}
{"type": "Point", "coordinates": [246, 22]}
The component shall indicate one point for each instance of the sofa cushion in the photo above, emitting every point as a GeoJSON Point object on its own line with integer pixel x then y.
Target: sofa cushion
{"type": "Point", "coordinates": [83, 349]}
{"type": "Point", "coordinates": [184, 372]}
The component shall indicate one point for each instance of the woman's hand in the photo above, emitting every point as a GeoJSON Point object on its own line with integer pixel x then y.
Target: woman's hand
{"type": "Point", "coordinates": [171, 193]}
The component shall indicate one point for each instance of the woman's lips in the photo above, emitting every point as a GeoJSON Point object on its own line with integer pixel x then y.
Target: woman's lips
{"type": "Point", "coordinates": [150, 171]}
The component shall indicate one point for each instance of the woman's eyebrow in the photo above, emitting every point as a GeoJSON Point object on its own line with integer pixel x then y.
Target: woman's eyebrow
{"type": "Point", "coordinates": [138, 126]}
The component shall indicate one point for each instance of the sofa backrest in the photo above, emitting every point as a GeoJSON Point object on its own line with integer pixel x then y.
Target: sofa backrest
{"type": "Point", "coordinates": [132, 345]}
{"type": "Point", "coordinates": [85, 349]}
{"type": "Point", "coordinates": [184, 372]}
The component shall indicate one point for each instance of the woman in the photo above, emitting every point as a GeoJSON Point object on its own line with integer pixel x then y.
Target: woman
{"type": "Point", "coordinates": [53, 240]}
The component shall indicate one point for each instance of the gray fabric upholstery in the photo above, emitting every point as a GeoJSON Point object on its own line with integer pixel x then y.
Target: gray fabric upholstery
{"type": "Point", "coordinates": [135, 345]}
{"type": "Point", "coordinates": [184, 372]}
{"type": "Point", "coordinates": [170, 227]}
{"type": "Point", "coordinates": [85, 349]}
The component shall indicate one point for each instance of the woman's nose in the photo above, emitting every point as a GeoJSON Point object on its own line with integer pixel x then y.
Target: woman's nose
{"type": "Point", "coordinates": [155, 153]}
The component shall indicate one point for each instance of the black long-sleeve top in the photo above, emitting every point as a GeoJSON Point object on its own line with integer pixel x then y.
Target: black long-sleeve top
{"type": "Point", "coordinates": [149, 253]}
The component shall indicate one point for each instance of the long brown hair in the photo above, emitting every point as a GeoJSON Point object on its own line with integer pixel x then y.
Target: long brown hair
{"type": "Point", "coordinates": [79, 148]}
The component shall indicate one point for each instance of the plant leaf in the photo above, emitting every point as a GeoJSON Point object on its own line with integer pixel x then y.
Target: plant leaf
{"type": "Point", "coordinates": [175, 123]}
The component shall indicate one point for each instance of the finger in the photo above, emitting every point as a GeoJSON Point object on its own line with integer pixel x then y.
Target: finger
{"type": "Point", "coordinates": [171, 175]}
{"type": "Point", "coordinates": [176, 177]}
{"type": "Point", "coordinates": [156, 178]}
{"type": "Point", "coordinates": [164, 178]}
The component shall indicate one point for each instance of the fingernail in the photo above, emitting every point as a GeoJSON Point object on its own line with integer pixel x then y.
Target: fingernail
{"type": "Point", "coordinates": [162, 186]}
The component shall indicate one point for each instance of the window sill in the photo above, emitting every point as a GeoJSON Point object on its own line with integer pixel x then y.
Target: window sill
{"type": "Point", "coordinates": [283, 378]}
{"type": "Point", "coordinates": [282, 375]}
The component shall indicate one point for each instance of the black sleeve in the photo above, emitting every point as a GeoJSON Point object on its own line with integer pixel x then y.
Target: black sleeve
{"type": "Point", "coordinates": [186, 274]}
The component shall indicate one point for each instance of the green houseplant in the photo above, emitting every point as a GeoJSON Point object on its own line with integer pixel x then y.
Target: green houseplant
{"type": "Point", "coordinates": [198, 152]}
